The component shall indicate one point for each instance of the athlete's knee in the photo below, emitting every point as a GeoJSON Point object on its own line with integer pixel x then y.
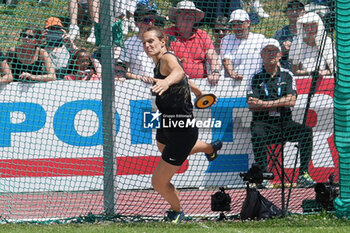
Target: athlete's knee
{"type": "Point", "coordinates": [158, 183]}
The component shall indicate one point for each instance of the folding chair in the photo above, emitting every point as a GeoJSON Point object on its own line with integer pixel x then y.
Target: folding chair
{"type": "Point", "coordinates": [275, 162]}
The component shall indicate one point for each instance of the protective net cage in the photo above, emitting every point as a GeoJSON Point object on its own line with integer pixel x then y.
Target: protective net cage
{"type": "Point", "coordinates": [79, 121]}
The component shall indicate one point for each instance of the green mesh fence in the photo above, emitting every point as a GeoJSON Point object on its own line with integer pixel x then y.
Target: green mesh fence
{"type": "Point", "coordinates": [341, 109]}
{"type": "Point", "coordinates": [79, 121]}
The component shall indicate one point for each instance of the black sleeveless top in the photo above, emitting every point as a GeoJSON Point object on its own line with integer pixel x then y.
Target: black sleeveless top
{"type": "Point", "coordinates": [17, 67]}
{"type": "Point", "coordinates": [177, 99]}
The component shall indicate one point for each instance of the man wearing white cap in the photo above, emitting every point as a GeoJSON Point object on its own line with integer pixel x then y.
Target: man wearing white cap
{"type": "Point", "coordinates": [193, 46]}
{"type": "Point", "coordinates": [240, 51]}
{"type": "Point", "coordinates": [271, 95]}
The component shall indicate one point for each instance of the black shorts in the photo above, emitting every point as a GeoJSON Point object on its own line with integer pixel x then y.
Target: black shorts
{"type": "Point", "coordinates": [178, 144]}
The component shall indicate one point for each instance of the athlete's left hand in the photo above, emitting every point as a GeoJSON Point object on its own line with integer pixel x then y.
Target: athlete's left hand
{"type": "Point", "coordinates": [160, 86]}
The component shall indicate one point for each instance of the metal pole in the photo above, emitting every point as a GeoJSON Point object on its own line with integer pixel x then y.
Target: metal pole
{"type": "Point", "coordinates": [308, 103]}
{"type": "Point", "coordinates": [108, 106]}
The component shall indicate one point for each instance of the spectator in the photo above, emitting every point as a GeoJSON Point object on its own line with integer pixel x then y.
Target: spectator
{"type": "Point", "coordinates": [310, 41]}
{"type": "Point", "coordinates": [285, 36]}
{"type": "Point", "coordinates": [58, 45]}
{"type": "Point", "coordinates": [125, 11]}
{"type": "Point", "coordinates": [321, 7]}
{"type": "Point", "coordinates": [28, 61]}
{"type": "Point", "coordinates": [88, 6]}
{"type": "Point", "coordinates": [221, 29]}
{"type": "Point", "coordinates": [224, 7]}
{"type": "Point", "coordinates": [216, 8]}
{"type": "Point", "coordinates": [193, 46]}
{"type": "Point", "coordinates": [83, 67]}
{"type": "Point", "coordinates": [124, 19]}
{"type": "Point", "coordinates": [240, 50]}
{"type": "Point", "coordinates": [5, 72]}
{"type": "Point", "coordinates": [259, 10]}
{"type": "Point", "coordinates": [271, 95]}
{"type": "Point", "coordinates": [133, 62]}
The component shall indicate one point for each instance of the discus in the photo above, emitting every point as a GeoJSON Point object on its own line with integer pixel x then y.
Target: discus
{"type": "Point", "coordinates": [205, 101]}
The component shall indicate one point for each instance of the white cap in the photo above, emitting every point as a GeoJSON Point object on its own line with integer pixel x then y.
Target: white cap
{"type": "Point", "coordinates": [272, 42]}
{"type": "Point", "coordinates": [185, 5]}
{"type": "Point", "coordinates": [239, 15]}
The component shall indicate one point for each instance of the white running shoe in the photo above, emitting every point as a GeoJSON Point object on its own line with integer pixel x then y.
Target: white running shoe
{"type": "Point", "coordinates": [257, 8]}
{"type": "Point", "coordinates": [74, 32]}
{"type": "Point", "coordinates": [91, 38]}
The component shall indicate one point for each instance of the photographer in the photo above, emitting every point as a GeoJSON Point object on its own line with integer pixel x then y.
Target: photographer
{"type": "Point", "coordinates": [271, 95]}
{"type": "Point", "coordinates": [58, 45]}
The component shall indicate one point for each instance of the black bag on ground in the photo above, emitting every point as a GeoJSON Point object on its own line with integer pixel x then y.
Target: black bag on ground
{"type": "Point", "coordinates": [256, 206]}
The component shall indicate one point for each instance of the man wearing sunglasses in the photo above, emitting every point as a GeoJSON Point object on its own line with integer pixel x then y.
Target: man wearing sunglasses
{"type": "Point", "coordinates": [133, 62]}
{"type": "Point", "coordinates": [221, 29]}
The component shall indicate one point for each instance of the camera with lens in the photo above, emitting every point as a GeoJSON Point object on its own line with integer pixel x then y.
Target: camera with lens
{"type": "Point", "coordinates": [54, 36]}
{"type": "Point", "coordinates": [220, 201]}
{"type": "Point", "coordinates": [326, 193]}
{"type": "Point", "coordinates": [256, 175]}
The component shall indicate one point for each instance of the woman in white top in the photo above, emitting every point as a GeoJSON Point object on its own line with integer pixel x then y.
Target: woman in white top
{"type": "Point", "coordinates": [305, 49]}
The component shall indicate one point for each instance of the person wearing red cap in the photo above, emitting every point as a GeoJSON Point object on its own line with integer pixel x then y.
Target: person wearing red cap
{"type": "Point", "coordinates": [58, 45]}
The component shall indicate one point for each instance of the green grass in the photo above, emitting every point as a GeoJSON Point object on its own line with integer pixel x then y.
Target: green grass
{"type": "Point", "coordinates": [14, 18]}
{"type": "Point", "coordinates": [297, 223]}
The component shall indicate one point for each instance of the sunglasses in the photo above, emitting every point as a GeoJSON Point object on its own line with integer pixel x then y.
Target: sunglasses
{"type": "Point", "coordinates": [221, 30]}
{"type": "Point", "coordinates": [25, 35]}
{"type": "Point", "coordinates": [237, 22]}
{"type": "Point", "coordinates": [148, 20]}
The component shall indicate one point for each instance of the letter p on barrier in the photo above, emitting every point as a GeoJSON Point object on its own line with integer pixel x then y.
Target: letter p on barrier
{"type": "Point", "coordinates": [35, 118]}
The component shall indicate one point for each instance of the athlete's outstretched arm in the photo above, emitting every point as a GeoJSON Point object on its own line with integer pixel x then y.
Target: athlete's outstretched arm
{"type": "Point", "coordinates": [169, 67]}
